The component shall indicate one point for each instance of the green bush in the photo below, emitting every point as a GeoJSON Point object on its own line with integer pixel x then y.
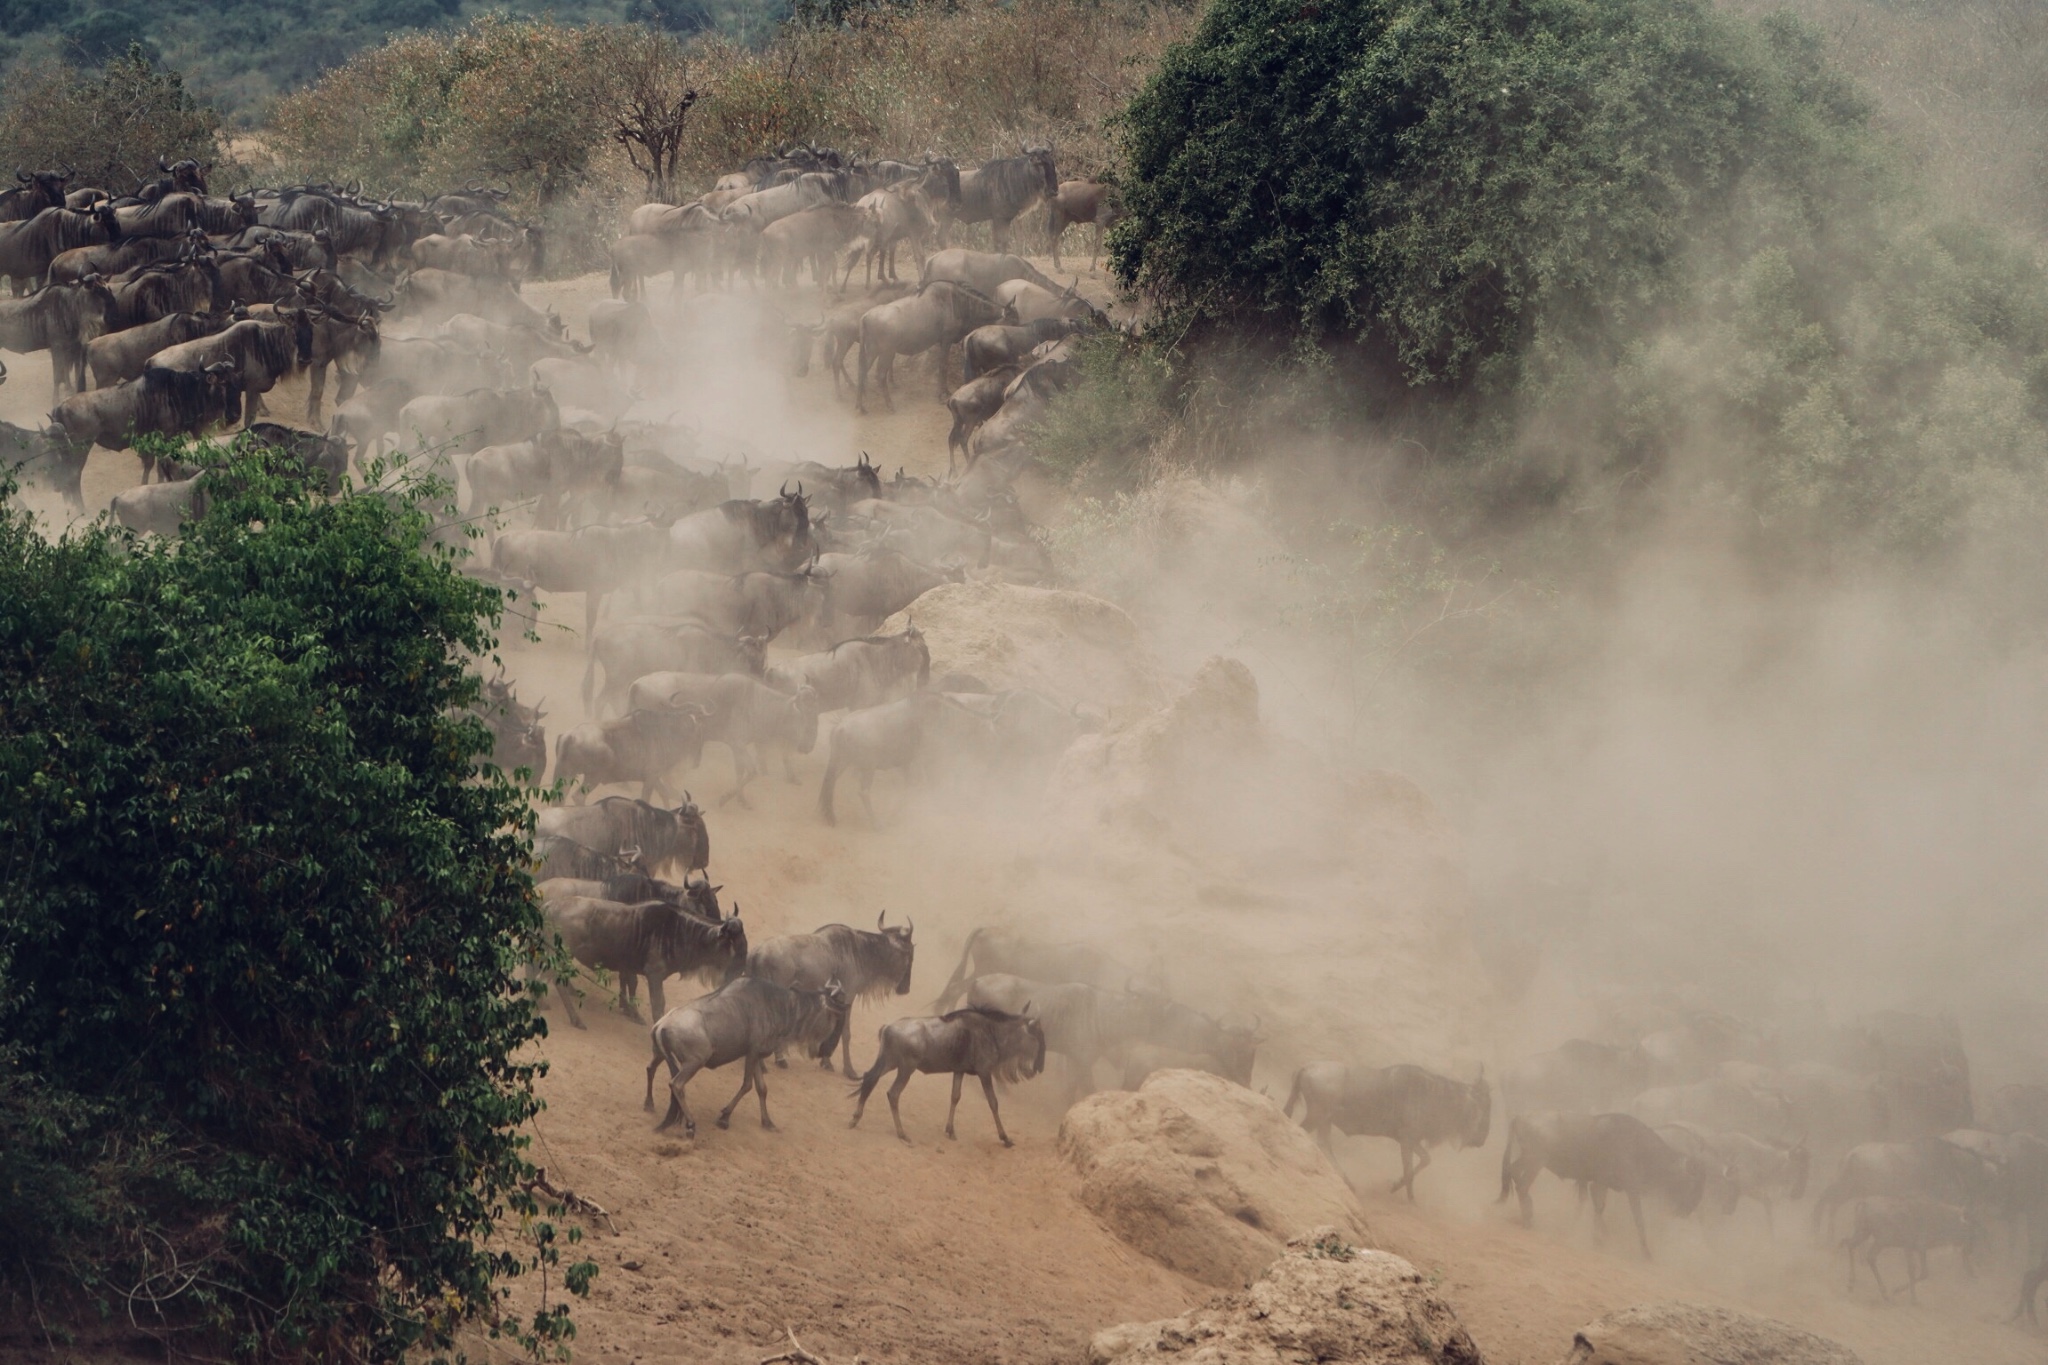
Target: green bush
{"type": "Point", "coordinates": [260, 930]}
{"type": "Point", "coordinates": [109, 124]}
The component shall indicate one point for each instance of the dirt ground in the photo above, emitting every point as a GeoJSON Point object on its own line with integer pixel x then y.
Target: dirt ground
{"type": "Point", "coordinates": [936, 1252]}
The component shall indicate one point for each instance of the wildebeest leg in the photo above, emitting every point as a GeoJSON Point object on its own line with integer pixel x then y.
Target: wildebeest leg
{"type": "Point", "coordinates": [1870, 1259]}
{"type": "Point", "coordinates": [568, 994]}
{"type": "Point", "coordinates": [657, 999]}
{"type": "Point", "coordinates": [988, 1092]}
{"type": "Point", "coordinates": [746, 1084]}
{"type": "Point", "coordinates": [761, 1092]}
{"type": "Point", "coordinates": [1413, 1159]}
{"type": "Point", "coordinates": [896, 1093]}
{"type": "Point", "coordinates": [677, 1106]}
{"type": "Point", "coordinates": [867, 779]}
{"type": "Point", "coordinates": [316, 387]}
{"type": "Point", "coordinates": [629, 1007]}
{"type": "Point", "coordinates": [1635, 1211]}
{"type": "Point", "coordinates": [1599, 1204]}
{"type": "Point", "coordinates": [845, 1048]}
{"type": "Point", "coordinates": [2029, 1287]}
{"type": "Point", "coordinates": [593, 605]}
{"type": "Point", "coordinates": [958, 1078]}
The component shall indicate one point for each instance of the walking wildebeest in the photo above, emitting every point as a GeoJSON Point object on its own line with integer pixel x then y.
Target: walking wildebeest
{"type": "Point", "coordinates": [1082, 201]}
{"type": "Point", "coordinates": [261, 354]}
{"type": "Point", "coordinates": [990, 951]}
{"type": "Point", "coordinates": [653, 938]}
{"type": "Point", "coordinates": [997, 191]}
{"type": "Point", "coordinates": [741, 712]}
{"type": "Point", "coordinates": [972, 404]}
{"type": "Point", "coordinates": [760, 603]}
{"type": "Point", "coordinates": [161, 509]}
{"type": "Point", "coordinates": [937, 315]}
{"type": "Point", "coordinates": [1082, 1023]}
{"type": "Point", "coordinates": [857, 674]}
{"type": "Point", "coordinates": [741, 1021]}
{"type": "Point", "coordinates": [1004, 346]}
{"type": "Point", "coordinates": [557, 858]}
{"type": "Point", "coordinates": [1576, 1076]}
{"type": "Point", "coordinates": [978, 1041]}
{"type": "Point", "coordinates": [613, 824]}
{"type": "Point", "coordinates": [870, 963]}
{"type": "Point", "coordinates": [900, 734]}
{"type": "Point", "coordinates": [634, 648]}
{"type": "Point", "coordinates": [156, 404]}
{"type": "Point", "coordinates": [1601, 1152]}
{"type": "Point", "coordinates": [744, 535]}
{"type": "Point", "coordinates": [982, 271]}
{"type": "Point", "coordinates": [1414, 1107]}
{"type": "Point", "coordinates": [1913, 1225]}
{"type": "Point", "coordinates": [117, 357]}
{"type": "Point", "coordinates": [642, 746]}
{"type": "Point", "coordinates": [592, 560]}
{"type": "Point", "coordinates": [1744, 1166]}
{"type": "Point", "coordinates": [1926, 1167]}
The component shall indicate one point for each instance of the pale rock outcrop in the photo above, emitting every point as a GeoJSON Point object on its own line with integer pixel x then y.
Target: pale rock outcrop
{"type": "Point", "coordinates": [1694, 1334]}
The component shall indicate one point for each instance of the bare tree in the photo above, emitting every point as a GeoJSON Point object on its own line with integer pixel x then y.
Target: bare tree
{"type": "Point", "coordinates": [650, 98]}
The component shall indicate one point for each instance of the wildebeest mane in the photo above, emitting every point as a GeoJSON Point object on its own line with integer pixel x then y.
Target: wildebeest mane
{"type": "Point", "coordinates": [186, 397]}
{"type": "Point", "coordinates": [987, 1028]}
{"type": "Point", "coordinates": [869, 963]}
{"type": "Point", "coordinates": [1004, 187]}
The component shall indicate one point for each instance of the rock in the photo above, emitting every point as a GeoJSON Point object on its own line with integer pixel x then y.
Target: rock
{"type": "Point", "coordinates": [1322, 1301]}
{"type": "Point", "coordinates": [1204, 1176]}
{"type": "Point", "coordinates": [1694, 1334]}
{"type": "Point", "coordinates": [1067, 645]}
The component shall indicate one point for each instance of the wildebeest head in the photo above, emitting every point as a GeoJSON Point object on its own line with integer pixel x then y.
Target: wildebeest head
{"type": "Point", "coordinates": [1042, 162]}
{"type": "Point", "coordinates": [46, 187]}
{"type": "Point", "coordinates": [900, 939]}
{"type": "Point", "coordinates": [733, 934]}
{"type": "Point", "coordinates": [839, 1004]}
{"type": "Point", "coordinates": [700, 897]}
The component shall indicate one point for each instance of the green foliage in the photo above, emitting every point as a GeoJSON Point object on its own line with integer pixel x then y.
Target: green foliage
{"type": "Point", "coordinates": [260, 924]}
{"type": "Point", "coordinates": [110, 124]}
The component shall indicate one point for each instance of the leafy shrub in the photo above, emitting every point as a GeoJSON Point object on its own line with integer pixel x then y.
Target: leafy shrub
{"type": "Point", "coordinates": [111, 125]}
{"type": "Point", "coordinates": [259, 925]}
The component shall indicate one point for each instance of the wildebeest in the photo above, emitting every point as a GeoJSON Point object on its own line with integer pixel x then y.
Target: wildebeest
{"type": "Point", "coordinates": [990, 951]}
{"type": "Point", "coordinates": [927, 533]}
{"type": "Point", "coordinates": [592, 560]}
{"type": "Point", "coordinates": [1744, 1166]}
{"type": "Point", "coordinates": [33, 192]}
{"type": "Point", "coordinates": [517, 737]}
{"type": "Point", "coordinates": [169, 287]}
{"type": "Point", "coordinates": [833, 488]}
{"type": "Point", "coordinates": [1415, 1107]}
{"type": "Point", "coordinates": [108, 259]}
{"type": "Point", "coordinates": [1718, 1103]}
{"type": "Point", "coordinates": [870, 963]}
{"type": "Point", "coordinates": [741, 712]}
{"type": "Point", "coordinates": [557, 858]}
{"type": "Point", "coordinates": [61, 319]}
{"type": "Point", "coordinates": [857, 674]}
{"type": "Point", "coordinates": [43, 457]}
{"type": "Point", "coordinates": [1229, 1050]}
{"type": "Point", "coordinates": [1600, 1152]}
{"type": "Point", "coordinates": [2018, 1108]}
{"type": "Point", "coordinates": [1082, 201]}
{"type": "Point", "coordinates": [1000, 346]}
{"type": "Point", "coordinates": [814, 236]}
{"type": "Point", "coordinates": [901, 734]}
{"type": "Point", "coordinates": [642, 746]}
{"type": "Point", "coordinates": [1577, 1075]}
{"type": "Point", "coordinates": [742, 535]}
{"type": "Point", "coordinates": [621, 333]}
{"type": "Point", "coordinates": [986, 1043]}
{"type": "Point", "coordinates": [937, 315]}
{"type": "Point", "coordinates": [613, 824]}
{"type": "Point", "coordinates": [1913, 1225]}
{"type": "Point", "coordinates": [634, 648]}
{"type": "Point", "coordinates": [375, 232]}
{"type": "Point", "coordinates": [863, 590]}
{"type": "Point", "coordinates": [890, 216]}
{"type": "Point", "coordinates": [984, 272]}
{"type": "Point", "coordinates": [1024, 303]}
{"type": "Point", "coordinates": [1082, 1023]}
{"type": "Point", "coordinates": [549, 468]}
{"type": "Point", "coordinates": [997, 191]}
{"type": "Point", "coordinates": [759, 208]}
{"type": "Point", "coordinates": [161, 509]}
{"type": "Point", "coordinates": [741, 1021]}
{"type": "Point", "coordinates": [321, 458]}
{"type": "Point", "coordinates": [972, 404]}
{"type": "Point", "coordinates": [760, 603]}
{"type": "Point", "coordinates": [1925, 1167]}
{"type": "Point", "coordinates": [435, 295]}
{"type": "Point", "coordinates": [260, 354]}
{"type": "Point", "coordinates": [465, 423]}
{"type": "Point", "coordinates": [28, 247]}
{"type": "Point", "coordinates": [839, 330]}
{"type": "Point", "coordinates": [654, 938]}
{"type": "Point", "coordinates": [120, 356]}
{"type": "Point", "coordinates": [151, 405]}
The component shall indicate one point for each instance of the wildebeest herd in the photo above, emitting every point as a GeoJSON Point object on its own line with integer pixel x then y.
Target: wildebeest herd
{"type": "Point", "coordinates": [185, 309]}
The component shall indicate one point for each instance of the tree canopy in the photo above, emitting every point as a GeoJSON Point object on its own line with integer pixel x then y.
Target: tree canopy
{"type": "Point", "coordinates": [261, 921]}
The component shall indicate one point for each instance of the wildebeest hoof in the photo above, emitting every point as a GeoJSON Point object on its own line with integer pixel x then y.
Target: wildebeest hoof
{"type": "Point", "coordinates": [904, 1138]}
{"type": "Point", "coordinates": [725, 1120]}
{"type": "Point", "coordinates": [1008, 1143]}
{"type": "Point", "coordinates": [578, 1023]}
{"type": "Point", "coordinates": [782, 1062]}
{"type": "Point", "coordinates": [769, 1125]}
{"type": "Point", "coordinates": [631, 1015]}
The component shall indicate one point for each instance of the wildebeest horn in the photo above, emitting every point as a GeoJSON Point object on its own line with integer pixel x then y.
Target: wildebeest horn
{"type": "Point", "coordinates": [160, 164]}
{"type": "Point", "coordinates": [879, 918]}
{"type": "Point", "coordinates": [69, 170]}
{"type": "Point", "coordinates": [784, 492]}
{"type": "Point", "coordinates": [22, 175]}
{"type": "Point", "coordinates": [910, 927]}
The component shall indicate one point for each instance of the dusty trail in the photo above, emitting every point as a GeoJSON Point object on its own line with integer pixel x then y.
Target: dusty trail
{"type": "Point", "coordinates": [938, 1252]}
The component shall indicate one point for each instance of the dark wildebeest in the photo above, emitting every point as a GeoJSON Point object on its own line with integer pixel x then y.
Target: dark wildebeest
{"type": "Point", "coordinates": [1082, 201]}
{"type": "Point", "coordinates": [1601, 1152]}
{"type": "Point", "coordinates": [634, 648]}
{"type": "Point", "coordinates": [1913, 1225]}
{"type": "Point", "coordinates": [743, 535]}
{"type": "Point", "coordinates": [1082, 1023]}
{"type": "Point", "coordinates": [760, 603]}
{"type": "Point", "coordinates": [373, 232]}
{"type": "Point", "coordinates": [1414, 1107]}
{"type": "Point", "coordinates": [557, 858]}
{"type": "Point", "coordinates": [997, 191]}
{"type": "Point", "coordinates": [1927, 1167]}
{"type": "Point", "coordinates": [156, 404]}
{"type": "Point", "coordinates": [653, 938]}
{"type": "Point", "coordinates": [28, 247]}
{"type": "Point", "coordinates": [614, 824]}
{"type": "Point", "coordinates": [857, 674]}
{"type": "Point", "coordinates": [983, 271]}
{"type": "Point", "coordinates": [43, 457]}
{"type": "Point", "coordinates": [642, 746]}
{"type": "Point", "coordinates": [1576, 1076]}
{"type": "Point", "coordinates": [972, 404]}
{"type": "Point", "coordinates": [520, 345]}
{"type": "Point", "coordinates": [741, 712]}
{"type": "Point", "coordinates": [864, 590]}
{"type": "Point", "coordinates": [190, 286]}
{"type": "Point", "coordinates": [833, 488]}
{"type": "Point", "coordinates": [913, 732]}
{"type": "Point", "coordinates": [937, 315]}
{"type": "Point", "coordinates": [517, 738]}
{"type": "Point", "coordinates": [61, 319]}
{"type": "Point", "coordinates": [1001, 346]}
{"type": "Point", "coordinates": [986, 1043]}
{"type": "Point", "coordinates": [927, 533]}
{"type": "Point", "coordinates": [592, 560]}
{"type": "Point", "coordinates": [320, 458]}
{"type": "Point", "coordinates": [741, 1021]}
{"type": "Point", "coordinates": [120, 356]}
{"type": "Point", "coordinates": [870, 963]}
{"type": "Point", "coordinates": [1743, 1166]}
{"type": "Point", "coordinates": [261, 354]}
{"type": "Point", "coordinates": [108, 259]}
{"type": "Point", "coordinates": [998, 950]}
{"type": "Point", "coordinates": [35, 192]}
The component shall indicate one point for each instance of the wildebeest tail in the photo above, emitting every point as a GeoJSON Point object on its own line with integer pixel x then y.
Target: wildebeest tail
{"type": "Point", "coordinates": [956, 983]}
{"type": "Point", "coordinates": [1294, 1094]}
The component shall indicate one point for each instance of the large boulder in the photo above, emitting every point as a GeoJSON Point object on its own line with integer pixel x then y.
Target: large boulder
{"type": "Point", "coordinates": [1694, 1334]}
{"type": "Point", "coordinates": [1323, 1301]}
{"type": "Point", "coordinates": [1204, 1176]}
